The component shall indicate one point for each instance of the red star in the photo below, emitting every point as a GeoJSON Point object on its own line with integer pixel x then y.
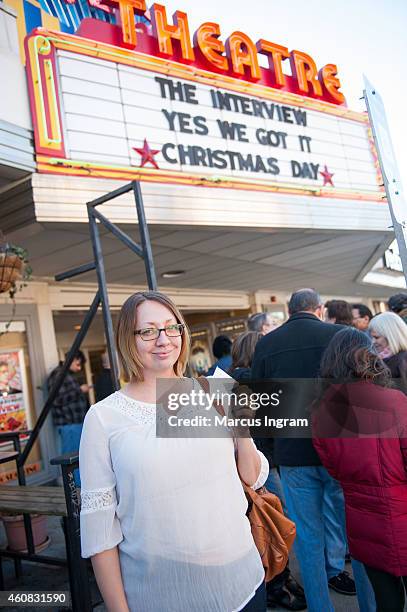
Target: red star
{"type": "Point", "coordinates": [147, 154]}
{"type": "Point", "coordinates": [327, 176]}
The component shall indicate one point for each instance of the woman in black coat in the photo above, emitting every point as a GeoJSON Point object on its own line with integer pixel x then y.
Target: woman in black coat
{"type": "Point", "coordinates": [283, 591]}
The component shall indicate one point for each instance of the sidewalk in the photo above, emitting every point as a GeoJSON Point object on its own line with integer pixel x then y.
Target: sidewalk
{"type": "Point", "coordinates": [49, 578]}
{"type": "Point", "coordinates": [42, 577]}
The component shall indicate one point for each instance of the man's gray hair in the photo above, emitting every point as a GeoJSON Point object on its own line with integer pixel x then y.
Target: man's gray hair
{"type": "Point", "coordinates": [302, 300]}
{"type": "Point", "coordinates": [256, 321]}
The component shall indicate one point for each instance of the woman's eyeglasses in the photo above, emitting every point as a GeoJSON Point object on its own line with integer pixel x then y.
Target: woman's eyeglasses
{"type": "Point", "coordinates": [153, 333]}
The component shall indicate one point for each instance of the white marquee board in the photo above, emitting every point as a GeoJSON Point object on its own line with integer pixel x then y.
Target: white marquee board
{"type": "Point", "coordinates": [108, 109]}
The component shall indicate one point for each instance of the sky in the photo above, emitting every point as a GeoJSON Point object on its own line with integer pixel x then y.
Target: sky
{"type": "Point", "coordinates": [359, 36]}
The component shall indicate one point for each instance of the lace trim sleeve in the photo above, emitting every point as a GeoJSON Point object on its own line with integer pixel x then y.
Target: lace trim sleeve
{"type": "Point", "coordinates": [264, 472]}
{"type": "Point", "coordinates": [91, 501]}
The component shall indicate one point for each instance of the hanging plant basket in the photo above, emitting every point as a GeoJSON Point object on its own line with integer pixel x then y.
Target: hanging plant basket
{"type": "Point", "coordinates": [14, 268]}
{"type": "Point", "coordinates": [11, 270]}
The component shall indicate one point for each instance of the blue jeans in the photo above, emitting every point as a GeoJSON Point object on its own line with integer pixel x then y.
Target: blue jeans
{"type": "Point", "coordinates": [70, 440]}
{"type": "Point", "coordinates": [364, 589]}
{"type": "Point", "coordinates": [273, 484]}
{"type": "Point", "coordinates": [315, 503]}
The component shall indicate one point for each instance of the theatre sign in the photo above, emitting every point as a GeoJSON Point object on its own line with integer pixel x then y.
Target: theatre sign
{"type": "Point", "coordinates": [154, 103]}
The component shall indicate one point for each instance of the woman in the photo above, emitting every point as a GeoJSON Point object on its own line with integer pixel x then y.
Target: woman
{"type": "Point", "coordinates": [339, 312]}
{"type": "Point", "coordinates": [163, 519]}
{"type": "Point", "coordinates": [360, 429]}
{"type": "Point", "coordinates": [242, 355]}
{"type": "Point", "coordinates": [283, 590]}
{"type": "Point", "coordinates": [389, 335]}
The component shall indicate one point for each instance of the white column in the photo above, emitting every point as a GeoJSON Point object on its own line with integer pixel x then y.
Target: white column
{"type": "Point", "coordinates": [255, 300]}
{"type": "Point", "coordinates": [47, 330]}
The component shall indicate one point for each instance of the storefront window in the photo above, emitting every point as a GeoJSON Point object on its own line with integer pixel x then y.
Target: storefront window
{"type": "Point", "coordinates": [17, 411]}
{"type": "Point", "coordinates": [231, 327]}
{"type": "Point", "coordinates": [277, 313]}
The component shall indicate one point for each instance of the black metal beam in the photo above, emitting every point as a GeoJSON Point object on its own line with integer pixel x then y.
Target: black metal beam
{"type": "Point", "coordinates": [110, 196]}
{"type": "Point", "coordinates": [35, 558]}
{"type": "Point", "coordinates": [145, 252]}
{"type": "Point", "coordinates": [116, 231]}
{"type": "Point", "coordinates": [57, 384]}
{"type": "Point", "coordinates": [104, 298]}
{"type": "Point", "coordinates": [78, 573]}
{"type": "Point", "coordinates": [75, 271]}
{"type": "Point", "coordinates": [71, 458]}
{"type": "Point", "coordinates": [145, 238]}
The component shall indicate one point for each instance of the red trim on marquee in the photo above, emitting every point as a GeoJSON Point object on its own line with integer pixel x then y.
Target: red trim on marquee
{"type": "Point", "coordinates": [146, 43]}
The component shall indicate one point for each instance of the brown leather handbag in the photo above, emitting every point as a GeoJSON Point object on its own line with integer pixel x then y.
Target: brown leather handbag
{"type": "Point", "coordinates": [273, 533]}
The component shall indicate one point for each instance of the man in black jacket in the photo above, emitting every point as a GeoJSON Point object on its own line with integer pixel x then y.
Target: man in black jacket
{"type": "Point", "coordinates": [313, 499]}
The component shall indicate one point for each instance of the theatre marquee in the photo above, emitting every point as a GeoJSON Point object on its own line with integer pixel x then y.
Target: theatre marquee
{"type": "Point", "coordinates": [106, 110]}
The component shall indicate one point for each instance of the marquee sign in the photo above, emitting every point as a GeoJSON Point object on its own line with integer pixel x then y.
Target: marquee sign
{"type": "Point", "coordinates": [103, 110]}
{"type": "Point", "coordinates": [238, 56]}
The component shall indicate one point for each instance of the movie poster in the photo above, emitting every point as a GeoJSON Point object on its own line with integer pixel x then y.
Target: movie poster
{"type": "Point", "coordinates": [13, 391]}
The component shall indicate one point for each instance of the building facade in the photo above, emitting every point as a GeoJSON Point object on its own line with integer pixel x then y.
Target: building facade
{"type": "Point", "coordinates": [257, 179]}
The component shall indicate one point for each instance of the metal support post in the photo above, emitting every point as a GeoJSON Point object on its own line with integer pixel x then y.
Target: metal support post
{"type": "Point", "coordinates": [78, 571]}
{"type": "Point", "coordinates": [388, 166]}
{"type": "Point", "coordinates": [54, 391]}
{"type": "Point", "coordinates": [145, 238]}
{"type": "Point", "coordinates": [104, 298]}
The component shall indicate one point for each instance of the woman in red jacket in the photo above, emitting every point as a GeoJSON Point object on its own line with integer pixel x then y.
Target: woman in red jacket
{"type": "Point", "coordinates": [360, 434]}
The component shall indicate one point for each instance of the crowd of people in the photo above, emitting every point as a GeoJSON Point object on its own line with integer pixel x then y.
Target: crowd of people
{"type": "Point", "coordinates": [321, 480]}
{"type": "Point", "coordinates": [164, 520]}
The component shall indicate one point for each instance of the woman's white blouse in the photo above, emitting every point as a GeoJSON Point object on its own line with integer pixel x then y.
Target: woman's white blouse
{"type": "Point", "coordinates": [174, 506]}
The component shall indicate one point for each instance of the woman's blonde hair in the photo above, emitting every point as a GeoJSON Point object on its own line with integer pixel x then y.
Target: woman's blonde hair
{"type": "Point", "coordinates": [393, 328]}
{"type": "Point", "coordinates": [129, 360]}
